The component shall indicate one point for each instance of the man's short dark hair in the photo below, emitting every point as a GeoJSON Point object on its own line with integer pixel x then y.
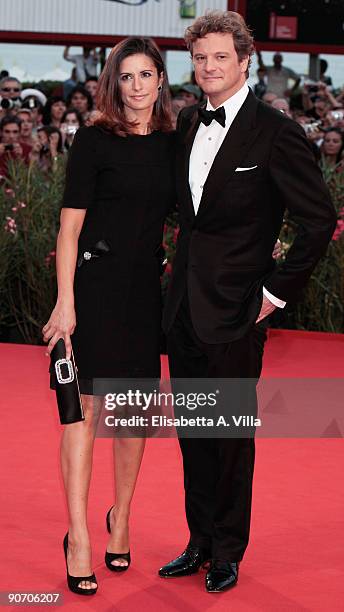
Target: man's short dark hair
{"type": "Point", "coordinates": [8, 119]}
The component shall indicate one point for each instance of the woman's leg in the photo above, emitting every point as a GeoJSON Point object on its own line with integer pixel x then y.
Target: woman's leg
{"type": "Point", "coordinates": [128, 454]}
{"type": "Point", "coordinates": [76, 463]}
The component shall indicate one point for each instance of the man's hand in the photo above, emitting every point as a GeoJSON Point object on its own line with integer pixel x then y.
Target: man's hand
{"type": "Point", "coordinates": [266, 309]}
{"type": "Point", "coordinates": [17, 149]}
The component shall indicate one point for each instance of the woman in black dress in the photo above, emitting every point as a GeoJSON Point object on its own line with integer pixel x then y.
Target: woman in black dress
{"type": "Point", "coordinates": [119, 187]}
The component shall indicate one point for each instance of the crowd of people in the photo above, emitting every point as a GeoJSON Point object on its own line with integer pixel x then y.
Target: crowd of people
{"type": "Point", "coordinates": [38, 129]}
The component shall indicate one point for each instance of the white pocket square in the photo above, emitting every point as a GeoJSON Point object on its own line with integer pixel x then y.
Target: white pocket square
{"type": "Point", "coordinates": [245, 169]}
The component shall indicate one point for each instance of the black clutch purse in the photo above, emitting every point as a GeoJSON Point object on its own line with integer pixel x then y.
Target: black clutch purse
{"type": "Point", "coordinates": [66, 385]}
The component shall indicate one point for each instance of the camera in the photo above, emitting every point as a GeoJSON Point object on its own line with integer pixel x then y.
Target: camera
{"type": "Point", "coordinates": [9, 147]}
{"type": "Point", "coordinates": [9, 104]}
{"type": "Point", "coordinates": [337, 115]}
{"type": "Point", "coordinates": [311, 127]}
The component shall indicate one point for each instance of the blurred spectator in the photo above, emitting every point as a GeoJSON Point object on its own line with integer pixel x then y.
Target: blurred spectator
{"type": "Point", "coordinates": [278, 76]}
{"type": "Point", "coordinates": [10, 147]}
{"type": "Point", "coordinates": [85, 64]}
{"type": "Point", "coordinates": [313, 132]}
{"type": "Point", "coordinates": [190, 93]}
{"type": "Point", "coordinates": [69, 84]}
{"type": "Point", "coordinates": [282, 105]}
{"type": "Point", "coordinates": [3, 74]}
{"type": "Point", "coordinates": [318, 99]}
{"type": "Point", "coordinates": [10, 100]}
{"type": "Point", "coordinates": [91, 86]}
{"type": "Point", "coordinates": [26, 126]}
{"type": "Point", "coordinates": [71, 121]}
{"type": "Point", "coordinates": [33, 95]}
{"type": "Point", "coordinates": [91, 117]}
{"type": "Point", "coordinates": [325, 79]}
{"type": "Point", "coordinates": [260, 87]}
{"type": "Point", "coordinates": [177, 104]}
{"type": "Point", "coordinates": [10, 88]}
{"type": "Point", "coordinates": [80, 99]}
{"type": "Point", "coordinates": [332, 148]}
{"type": "Point", "coordinates": [34, 100]}
{"type": "Point", "coordinates": [53, 111]}
{"type": "Point", "coordinates": [334, 118]}
{"type": "Point", "coordinates": [48, 148]}
{"type": "Point", "coordinates": [269, 97]}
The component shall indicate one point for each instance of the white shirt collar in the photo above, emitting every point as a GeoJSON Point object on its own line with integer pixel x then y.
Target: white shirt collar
{"type": "Point", "coordinates": [234, 103]}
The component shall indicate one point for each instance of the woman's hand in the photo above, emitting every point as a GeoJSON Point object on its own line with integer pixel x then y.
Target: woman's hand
{"type": "Point", "coordinates": [277, 252]}
{"type": "Point", "coordinates": [61, 324]}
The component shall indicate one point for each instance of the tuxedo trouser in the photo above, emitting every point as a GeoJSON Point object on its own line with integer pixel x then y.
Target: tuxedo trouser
{"type": "Point", "coordinates": [218, 472]}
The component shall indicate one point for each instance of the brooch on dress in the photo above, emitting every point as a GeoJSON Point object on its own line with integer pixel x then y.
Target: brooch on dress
{"type": "Point", "coordinates": [100, 249]}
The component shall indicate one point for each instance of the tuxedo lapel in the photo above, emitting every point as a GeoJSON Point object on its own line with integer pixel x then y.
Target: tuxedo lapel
{"type": "Point", "coordinates": [187, 143]}
{"type": "Point", "coordinates": [237, 142]}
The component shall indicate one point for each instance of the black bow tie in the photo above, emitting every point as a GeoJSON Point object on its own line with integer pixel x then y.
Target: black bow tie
{"type": "Point", "coordinates": [207, 116]}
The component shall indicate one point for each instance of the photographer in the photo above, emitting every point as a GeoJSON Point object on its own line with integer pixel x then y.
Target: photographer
{"type": "Point", "coordinates": [10, 90]}
{"type": "Point", "coordinates": [48, 148]}
{"type": "Point", "coordinates": [318, 100]}
{"type": "Point", "coordinates": [10, 147]}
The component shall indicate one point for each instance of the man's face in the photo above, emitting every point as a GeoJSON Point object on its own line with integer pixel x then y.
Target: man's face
{"type": "Point", "coordinates": [80, 102]}
{"type": "Point", "coordinates": [218, 70]}
{"type": "Point", "coordinates": [10, 89]}
{"type": "Point", "coordinates": [278, 59]}
{"type": "Point", "coordinates": [10, 133]}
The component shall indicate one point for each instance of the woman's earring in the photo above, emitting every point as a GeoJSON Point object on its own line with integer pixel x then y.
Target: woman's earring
{"type": "Point", "coordinates": [160, 88]}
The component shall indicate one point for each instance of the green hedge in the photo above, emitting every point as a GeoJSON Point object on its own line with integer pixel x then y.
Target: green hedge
{"type": "Point", "coordinates": [29, 214]}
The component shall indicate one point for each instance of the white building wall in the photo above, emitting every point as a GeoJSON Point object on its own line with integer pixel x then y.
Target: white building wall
{"type": "Point", "coordinates": [110, 17]}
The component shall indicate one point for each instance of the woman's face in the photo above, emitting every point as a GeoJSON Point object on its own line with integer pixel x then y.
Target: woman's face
{"type": "Point", "coordinates": [92, 87]}
{"type": "Point", "coordinates": [80, 102]}
{"type": "Point", "coordinates": [54, 139]}
{"type": "Point", "coordinates": [42, 137]}
{"type": "Point", "coordinates": [71, 119]}
{"type": "Point", "coordinates": [57, 110]}
{"type": "Point", "coordinates": [139, 82]}
{"type": "Point", "coordinates": [332, 143]}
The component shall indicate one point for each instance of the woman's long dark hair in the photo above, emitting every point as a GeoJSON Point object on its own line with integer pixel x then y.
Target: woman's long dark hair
{"type": "Point", "coordinates": [47, 108]}
{"type": "Point", "coordinates": [109, 98]}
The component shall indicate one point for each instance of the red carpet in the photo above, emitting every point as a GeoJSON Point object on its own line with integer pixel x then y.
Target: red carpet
{"type": "Point", "coordinates": [295, 560]}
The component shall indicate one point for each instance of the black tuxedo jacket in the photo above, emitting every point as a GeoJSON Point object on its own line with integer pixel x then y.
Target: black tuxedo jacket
{"type": "Point", "coordinates": [224, 253]}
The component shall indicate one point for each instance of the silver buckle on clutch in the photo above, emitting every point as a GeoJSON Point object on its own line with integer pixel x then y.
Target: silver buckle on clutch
{"type": "Point", "coordinates": [60, 379]}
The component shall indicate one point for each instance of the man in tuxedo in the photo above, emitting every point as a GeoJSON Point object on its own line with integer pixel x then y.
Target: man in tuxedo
{"type": "Point", "coordinates": [240, 165]}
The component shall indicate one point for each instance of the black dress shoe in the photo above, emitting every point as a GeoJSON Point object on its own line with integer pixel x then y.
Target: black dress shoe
{"type": "Point", "coordinates": [221, 576]}
{"type": "Point", "coordinates": [186, 564]}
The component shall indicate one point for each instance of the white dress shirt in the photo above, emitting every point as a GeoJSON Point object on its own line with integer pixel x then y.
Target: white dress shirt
{"type": "Point", "coordinates": [206, 145]}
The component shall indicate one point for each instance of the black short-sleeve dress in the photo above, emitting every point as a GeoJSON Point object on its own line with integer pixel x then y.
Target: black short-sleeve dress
{"type": "Point", "coordinates": [127, 186]}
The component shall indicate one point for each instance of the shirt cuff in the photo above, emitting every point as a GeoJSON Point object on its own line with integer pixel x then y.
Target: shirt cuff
{"type": "Point", "coordinates": [274, 300]}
